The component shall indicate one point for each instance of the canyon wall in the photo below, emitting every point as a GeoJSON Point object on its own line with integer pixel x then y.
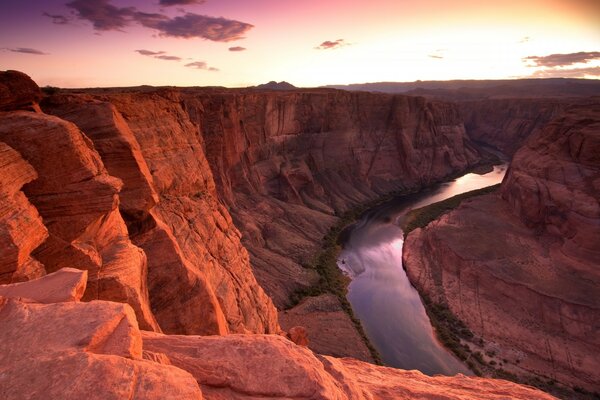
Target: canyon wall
{"type": "Point", "coordinates": [287, 163]}
{"type": "Point", "coordinates": [520, 267]}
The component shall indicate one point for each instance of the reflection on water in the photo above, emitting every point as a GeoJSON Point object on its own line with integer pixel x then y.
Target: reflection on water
{"type": "Point", "coordinates": [381, 295]}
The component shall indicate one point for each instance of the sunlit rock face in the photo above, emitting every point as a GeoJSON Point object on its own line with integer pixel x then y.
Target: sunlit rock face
{"type": "Point", "coordinates": [67, 349]}
{"type": "Point", "coordinates": [199, 278]}
{"type": "Point", "coordinates": [526, 258]}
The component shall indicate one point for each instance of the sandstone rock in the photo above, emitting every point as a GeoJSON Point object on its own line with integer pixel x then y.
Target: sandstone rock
{"type": "Point", "coordinates": [298, 335]}
{"type": "Point", "coordinates": [200, 279]}
{"type": "Point", "coordinates": [78, 201]}
{"type": "Point", "coordinates": [527, 261]}
{"type": "Point", "coordinates": [80, 350]}
{"type": "Point", "coordinates": [285, 163]}
{"type": "Point", "coordinates": [116, 145]}
{"type": "Point", "coordinates": [329, 328]}
{"type": "Point", "coordinates": [18, 91]}
{"type": "Point", "coordinates": [67, 284]}
{"type": "Point", "coordinates": [262, 366]}
{"type": "Point", "coordinates": [21, 228]}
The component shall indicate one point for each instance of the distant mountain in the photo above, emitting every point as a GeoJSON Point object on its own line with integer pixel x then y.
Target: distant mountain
{"type": "Point", "coordinates": [477, 89]}
{"type": "Point", "coordinates": [283, 85]}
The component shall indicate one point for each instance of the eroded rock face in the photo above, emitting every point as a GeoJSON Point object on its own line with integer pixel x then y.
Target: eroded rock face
{"type": "Point", "coordinates": [78, 202]}
{"type": "Point", "coordinates": [286, 163]}
{"type": "Point", "coordinates": [80, 350]}
{"type": "Point", "coordinates": [199, 278]}
{"type": "Point", "coordinates": [330, 329]}
{"type": "Point", "coordinates": [64, 285]}
{"type": "Point", "coordinates": [18, 91]}
{"type": "Point", "coordinates": [507, 123]}
{"type": "Point", "coordinates": [526, 259]}
{"type": "Point", "coordinates": [21, 228]}
{"type": "Point", "coordinates": [261, 366]}
{"type": "Point", "coordinates": [73, 350]}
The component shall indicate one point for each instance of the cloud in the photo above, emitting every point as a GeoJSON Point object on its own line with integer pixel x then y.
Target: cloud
{"type": "Point", "coordinates": [149, 52]}
{"type": "Point", "coordinates": [168, 3]}
{"type": "Point", "coordinates": [237, 48]}
{"type": "Point", "coordinates": [567, 73]}
{"type": "Point", "coordinates": [201, 65]}
{"type": "Point", "coordinates": [168, 58]}
{"type": "Point", "coordinates": [328, 44]}
{"type": "Point", "coordinates": [200, 26]}
{"type": "Point", "coordinates": [434, 56]}
{"type": "Point", "coordinates": [158, 54]}
{"type": "Point", "coordinates": [27, 50]}
{"type": "Point", "coordinates": [57, 19]}
{"type": "Point", "coordinates": [106, 17]}
{"type": "Point", "coordinates": [525, 39]}
{"type": "Point", "coordinates": [103, 15]}
{"type": "Point", "coordinates": [558, 60]}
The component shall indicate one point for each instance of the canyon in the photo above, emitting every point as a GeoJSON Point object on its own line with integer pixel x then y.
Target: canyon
{"type": "Point", "coordinates": [199, 211]}
{"type": "Point", "coordinates": [527, 256]}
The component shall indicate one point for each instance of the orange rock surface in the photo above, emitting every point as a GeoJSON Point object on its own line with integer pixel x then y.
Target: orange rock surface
{"type": "Point", "coordinates": [21, 228]}
{"type": "Point", "coordinates": [78, 202]}
{"type": "Point", "coordinates": [526, 259]}
{"type": "Point", "coordinates": [66, 284]}
{"type": "Point", "coordinates": [261, 366]}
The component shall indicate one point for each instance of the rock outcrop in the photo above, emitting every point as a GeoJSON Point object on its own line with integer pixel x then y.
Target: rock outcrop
{"type": "Point", "coordinates": [526, 259]}
{"type": "Point", "coordinates": [64, 285]}
{"type": "Point", "coordinates": [18, 92]}
{"type": "Point", "coordinates": [78, 202]}
{"type": "Point", "coordinates": [80, 350]}
{"type": "Point", "coordinates": [71, 350]}
{"type": "Point", "coordinates": [21, 228]}
{"type": "Point", "coordinates": [199, 277]}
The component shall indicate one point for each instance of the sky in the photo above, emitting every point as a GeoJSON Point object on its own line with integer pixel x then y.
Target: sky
{"type": "Point", "coordinates": [238, 43]}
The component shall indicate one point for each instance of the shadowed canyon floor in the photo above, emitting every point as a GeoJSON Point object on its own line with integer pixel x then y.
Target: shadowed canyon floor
{"type": "Point", "coordinates": [198, 211]}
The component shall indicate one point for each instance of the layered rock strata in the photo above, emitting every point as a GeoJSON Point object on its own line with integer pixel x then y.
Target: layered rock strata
{"type": "Point", "coordinates": [526, 259]}
{"type": "Point", "coordinates": [199, 277]}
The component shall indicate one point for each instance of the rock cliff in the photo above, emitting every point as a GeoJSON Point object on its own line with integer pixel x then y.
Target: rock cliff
{"type": "Point", "coordinates": [70, 350]}
{"type": "Point", "coordinates": [526, 259]}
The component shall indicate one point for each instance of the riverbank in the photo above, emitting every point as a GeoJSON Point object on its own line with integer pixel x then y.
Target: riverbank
{"type": "Point", "coordinates": [332, 279]}
{"type": "Point", "coordinates": [480, 355]}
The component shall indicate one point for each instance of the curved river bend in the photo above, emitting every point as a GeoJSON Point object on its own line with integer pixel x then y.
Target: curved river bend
{"type": "Point", "coordinates": [380, 293]}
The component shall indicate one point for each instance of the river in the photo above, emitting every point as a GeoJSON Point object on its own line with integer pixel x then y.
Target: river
{"type": "Point", "coordinates": [388, 306]}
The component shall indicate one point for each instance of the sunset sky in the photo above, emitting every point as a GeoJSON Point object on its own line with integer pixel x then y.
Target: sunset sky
{"type": "Point", "coordinates": [77, 43]}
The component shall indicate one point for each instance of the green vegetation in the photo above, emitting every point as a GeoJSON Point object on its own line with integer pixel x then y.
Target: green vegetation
{"type": "Point", "coordinates": [420, 217]}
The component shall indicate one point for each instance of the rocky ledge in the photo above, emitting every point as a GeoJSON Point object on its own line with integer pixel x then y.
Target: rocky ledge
{"type": "Point", "coordinates": [54, 346]}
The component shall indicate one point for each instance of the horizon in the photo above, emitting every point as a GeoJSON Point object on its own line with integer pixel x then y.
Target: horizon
{"type": "Point", "coordinates": [231, 43]}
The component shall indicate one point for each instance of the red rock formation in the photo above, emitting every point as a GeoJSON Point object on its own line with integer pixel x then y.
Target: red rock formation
{"type": "Point", "coordinates": [260, 366]}
{"type": "Point", "coordinates": [330, 330]}
{"type": "Point", "coordinates": [21, 228]}
{"type": "Point", "coordinates": [18, 91]}
{"type": "Point", "coordinates": [72, 350]}
{"type": "Point", "coordinates": [527, 261]}
{"type": "Point", "coordinates": [67, 284]}
{"type": "Point", "coordinates": [506, 123]}
{"type": "Point", "coordinates": [286, 162]}
{"type": "Point", "coordinates": [80, 350]}
{"type": "Point", "coordinates": [78, 201]}
{"type": "Point", "coordinates": [199, 277]}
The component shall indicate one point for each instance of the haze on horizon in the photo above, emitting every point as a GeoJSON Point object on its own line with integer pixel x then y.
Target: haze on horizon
{"type": "Point", "coordinates": [236, 43]}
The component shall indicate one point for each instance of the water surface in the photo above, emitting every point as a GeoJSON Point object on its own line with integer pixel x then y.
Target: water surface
{"type": "Point", "coordinates": [381, 295]}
